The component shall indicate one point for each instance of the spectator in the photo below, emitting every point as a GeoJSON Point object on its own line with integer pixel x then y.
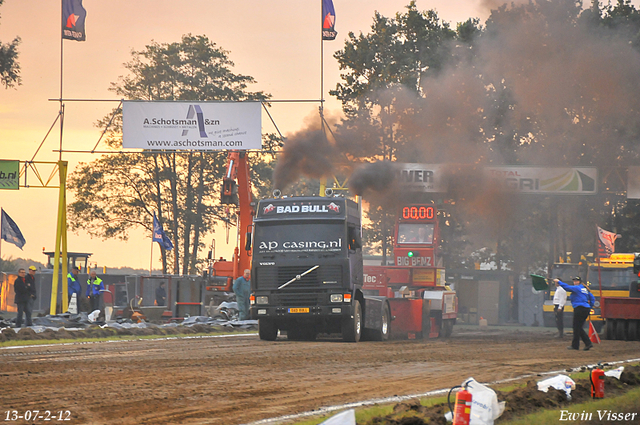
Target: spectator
{"type": "Point", "coordinates": [73, 286]}
{"type": "Point", "coordinates": [242, 289]}
{"type": "Point", "coordinates": [161, 295]}
{"type": "Point", "coordinates": [559, 301]}
{"type": "Point", "coordinates": [94, 286]}
{"type": "Point", "coordinates": [25, 295]}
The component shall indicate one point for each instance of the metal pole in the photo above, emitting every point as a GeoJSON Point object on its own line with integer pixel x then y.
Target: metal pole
{"type": "Point", "coordinates": [61, 78]}
{"type": "Point", "coordinates": [323, 180]}
{"type": "Point", "coordinates": [61, 227]}
{"type": "Point", "coordinates": [151, 257]}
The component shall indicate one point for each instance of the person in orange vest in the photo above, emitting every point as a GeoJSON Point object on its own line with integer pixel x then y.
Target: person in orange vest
{"type": "Point", "coordinates": [94, 286]}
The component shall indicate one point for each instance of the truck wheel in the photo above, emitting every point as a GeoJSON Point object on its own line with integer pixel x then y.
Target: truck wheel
{"type": "Point", "coordinates": [267, 330]}
{"type": "Point", "coordinates": [382, 334]}
{"type": "Point", "coordinates": [352, 327]}
{"type": "Point", "coordinates": [632, 330]}
{"type": "Point", "coordinates": [447, 328]}
{"type": "Point", "coordinates": [610, 329]}
{"type": "Point", "coordinates": [621, 330]}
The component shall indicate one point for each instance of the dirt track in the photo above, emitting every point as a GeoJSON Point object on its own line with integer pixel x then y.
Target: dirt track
{"type": "Point", "coordinates": [240, 379]}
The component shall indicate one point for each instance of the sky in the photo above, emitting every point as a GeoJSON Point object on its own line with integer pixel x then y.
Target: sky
{"type": "Point", "coordinates": [276, 42]}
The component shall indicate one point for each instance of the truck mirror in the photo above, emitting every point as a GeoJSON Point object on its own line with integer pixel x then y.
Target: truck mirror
{"type": "Point", "coordinates": [247, 246]}
{"type": "Point", "coordinates": [636, 264]}
{"type": "Point", "coordinates": [210, 255]}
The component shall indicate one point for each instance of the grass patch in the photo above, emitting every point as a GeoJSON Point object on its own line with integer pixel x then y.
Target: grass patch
{"type": "Point", "coordinates": [626, 403]}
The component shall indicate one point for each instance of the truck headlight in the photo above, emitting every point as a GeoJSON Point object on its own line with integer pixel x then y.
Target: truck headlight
{"type": "Point", "coordinates": [596, 304]}
{"type": "Point", "coordinates": [336, 298]}
{"type": "Point", "coordinates": [262, 299]}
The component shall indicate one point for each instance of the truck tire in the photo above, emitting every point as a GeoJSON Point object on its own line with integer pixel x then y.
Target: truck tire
{"type": "Point", "coordinates": [267, 330]}
{"type": "Point", "coordinates": [633, 330]}
{"type": "Point", "coordinates": [382, 334]}
{"type": "Point", "coordinates": [610, 329]}
{"type": "Point", "coordinates": [447, 328]}
{"type": "Point", "coordinates": [352, 327]}
{"type": "Point", "coordinates": [621, 330]}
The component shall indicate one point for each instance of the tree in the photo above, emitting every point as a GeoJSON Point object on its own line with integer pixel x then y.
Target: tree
{"type": "Point", "coordinates": [544, 83]}
{"type": "Point", "coordinates": [9, 66]}
{"type": "Point", "coordinates": [383, 81]}
{"type": "Point", "coordinates": [119, 192]}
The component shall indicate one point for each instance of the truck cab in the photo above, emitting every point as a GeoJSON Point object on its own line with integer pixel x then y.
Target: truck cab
{"type": "Point", "coordinates": [306, 275]}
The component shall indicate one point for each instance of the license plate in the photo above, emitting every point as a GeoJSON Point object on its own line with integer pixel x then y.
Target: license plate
{"type": "Point", "coordinates": [299, 310]}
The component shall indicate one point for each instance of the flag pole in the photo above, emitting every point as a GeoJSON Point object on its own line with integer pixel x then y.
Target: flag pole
{"type": "Point", "coordinates": [151, 259]}
{"type": "Point", "coordinates": [323, 180]}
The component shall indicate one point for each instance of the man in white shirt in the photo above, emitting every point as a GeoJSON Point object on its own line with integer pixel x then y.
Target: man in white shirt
{"type": "Point", "coordinates": [559, 301]}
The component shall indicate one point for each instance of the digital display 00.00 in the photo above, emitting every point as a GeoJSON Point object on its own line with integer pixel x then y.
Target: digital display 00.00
{"type": "Point", "coordinates": [418, 213]}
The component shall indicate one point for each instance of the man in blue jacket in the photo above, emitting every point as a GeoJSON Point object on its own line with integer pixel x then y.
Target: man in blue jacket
{"type": "Point", "coordinates": [73, 286]}
{"type": "Point", "coordinates": [582, 300]}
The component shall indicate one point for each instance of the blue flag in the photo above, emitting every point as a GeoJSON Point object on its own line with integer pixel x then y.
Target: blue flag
{"type": "Point", "coordinates": [73, 17]}
{"type": "Point", "coordinates": [328, 20]}
{"type": "Point", "coordinates": [10, 232]}
{"type": "Point", "coordinates": [159, 235]}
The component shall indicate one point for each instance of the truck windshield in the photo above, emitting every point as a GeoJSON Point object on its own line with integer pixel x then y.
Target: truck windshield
{"type": "Point", "coordinates": [611, 278]}
{"type": "Point", "coordinates": [299, 238]}
{"type": "Point", "coordinates": [415, 233]}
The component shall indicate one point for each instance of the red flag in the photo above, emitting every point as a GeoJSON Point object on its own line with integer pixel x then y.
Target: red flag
{"type": "Point", "coordinates": [606, 243]}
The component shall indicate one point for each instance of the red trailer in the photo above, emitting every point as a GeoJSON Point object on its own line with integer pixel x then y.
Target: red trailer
{"type": "Point", "coordinates": [622, 316]}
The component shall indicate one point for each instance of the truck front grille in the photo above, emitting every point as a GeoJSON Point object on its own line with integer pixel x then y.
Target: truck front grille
{"type": "Point", "coordinates": [324, 277]}
{"type": "Point", "coordinates": [299, 299]}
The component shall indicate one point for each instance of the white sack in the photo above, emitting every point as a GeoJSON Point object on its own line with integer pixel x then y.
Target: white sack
{"type": "Point", "coordinates": [485, 407]}
{"type": "Point", "coordinates": [559, 382]}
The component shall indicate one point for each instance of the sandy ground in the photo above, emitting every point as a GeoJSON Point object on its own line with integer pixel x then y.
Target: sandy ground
{"type": "Point", "coordinates": [241, 379]}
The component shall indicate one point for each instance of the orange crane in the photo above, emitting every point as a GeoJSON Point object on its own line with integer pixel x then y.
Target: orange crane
{"type": "Point", "coordinates": [236, 191]}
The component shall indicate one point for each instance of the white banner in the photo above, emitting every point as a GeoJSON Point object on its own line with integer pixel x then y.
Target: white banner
{"type": "Point", "coordinates": [544, 180]}
{"type": "Point", "coordinates": [199, 126]}
{"type": "Point", "coordinates": [510, 178]}
{"type": "Point", "coordinates": [422, 177]}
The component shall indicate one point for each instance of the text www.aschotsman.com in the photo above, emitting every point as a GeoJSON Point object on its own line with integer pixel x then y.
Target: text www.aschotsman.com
{"type": "Point", "coordinates": [194, 143]}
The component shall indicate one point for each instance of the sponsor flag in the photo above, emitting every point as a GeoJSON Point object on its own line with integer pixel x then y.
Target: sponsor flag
{"type": "Point", "coordinates": [606, 243]}
{"type": "Point", "coordinates": [10, 232]}
{"type": "Point", "coordinates": [73, 17]}
{"type": "Point", "coordinates": [159, 235]}
{"type": "Point", "coordinates": [328, 20]}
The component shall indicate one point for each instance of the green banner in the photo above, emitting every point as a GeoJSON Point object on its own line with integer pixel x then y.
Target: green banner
{"type": "Point", "coordinates": [9, 174]}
